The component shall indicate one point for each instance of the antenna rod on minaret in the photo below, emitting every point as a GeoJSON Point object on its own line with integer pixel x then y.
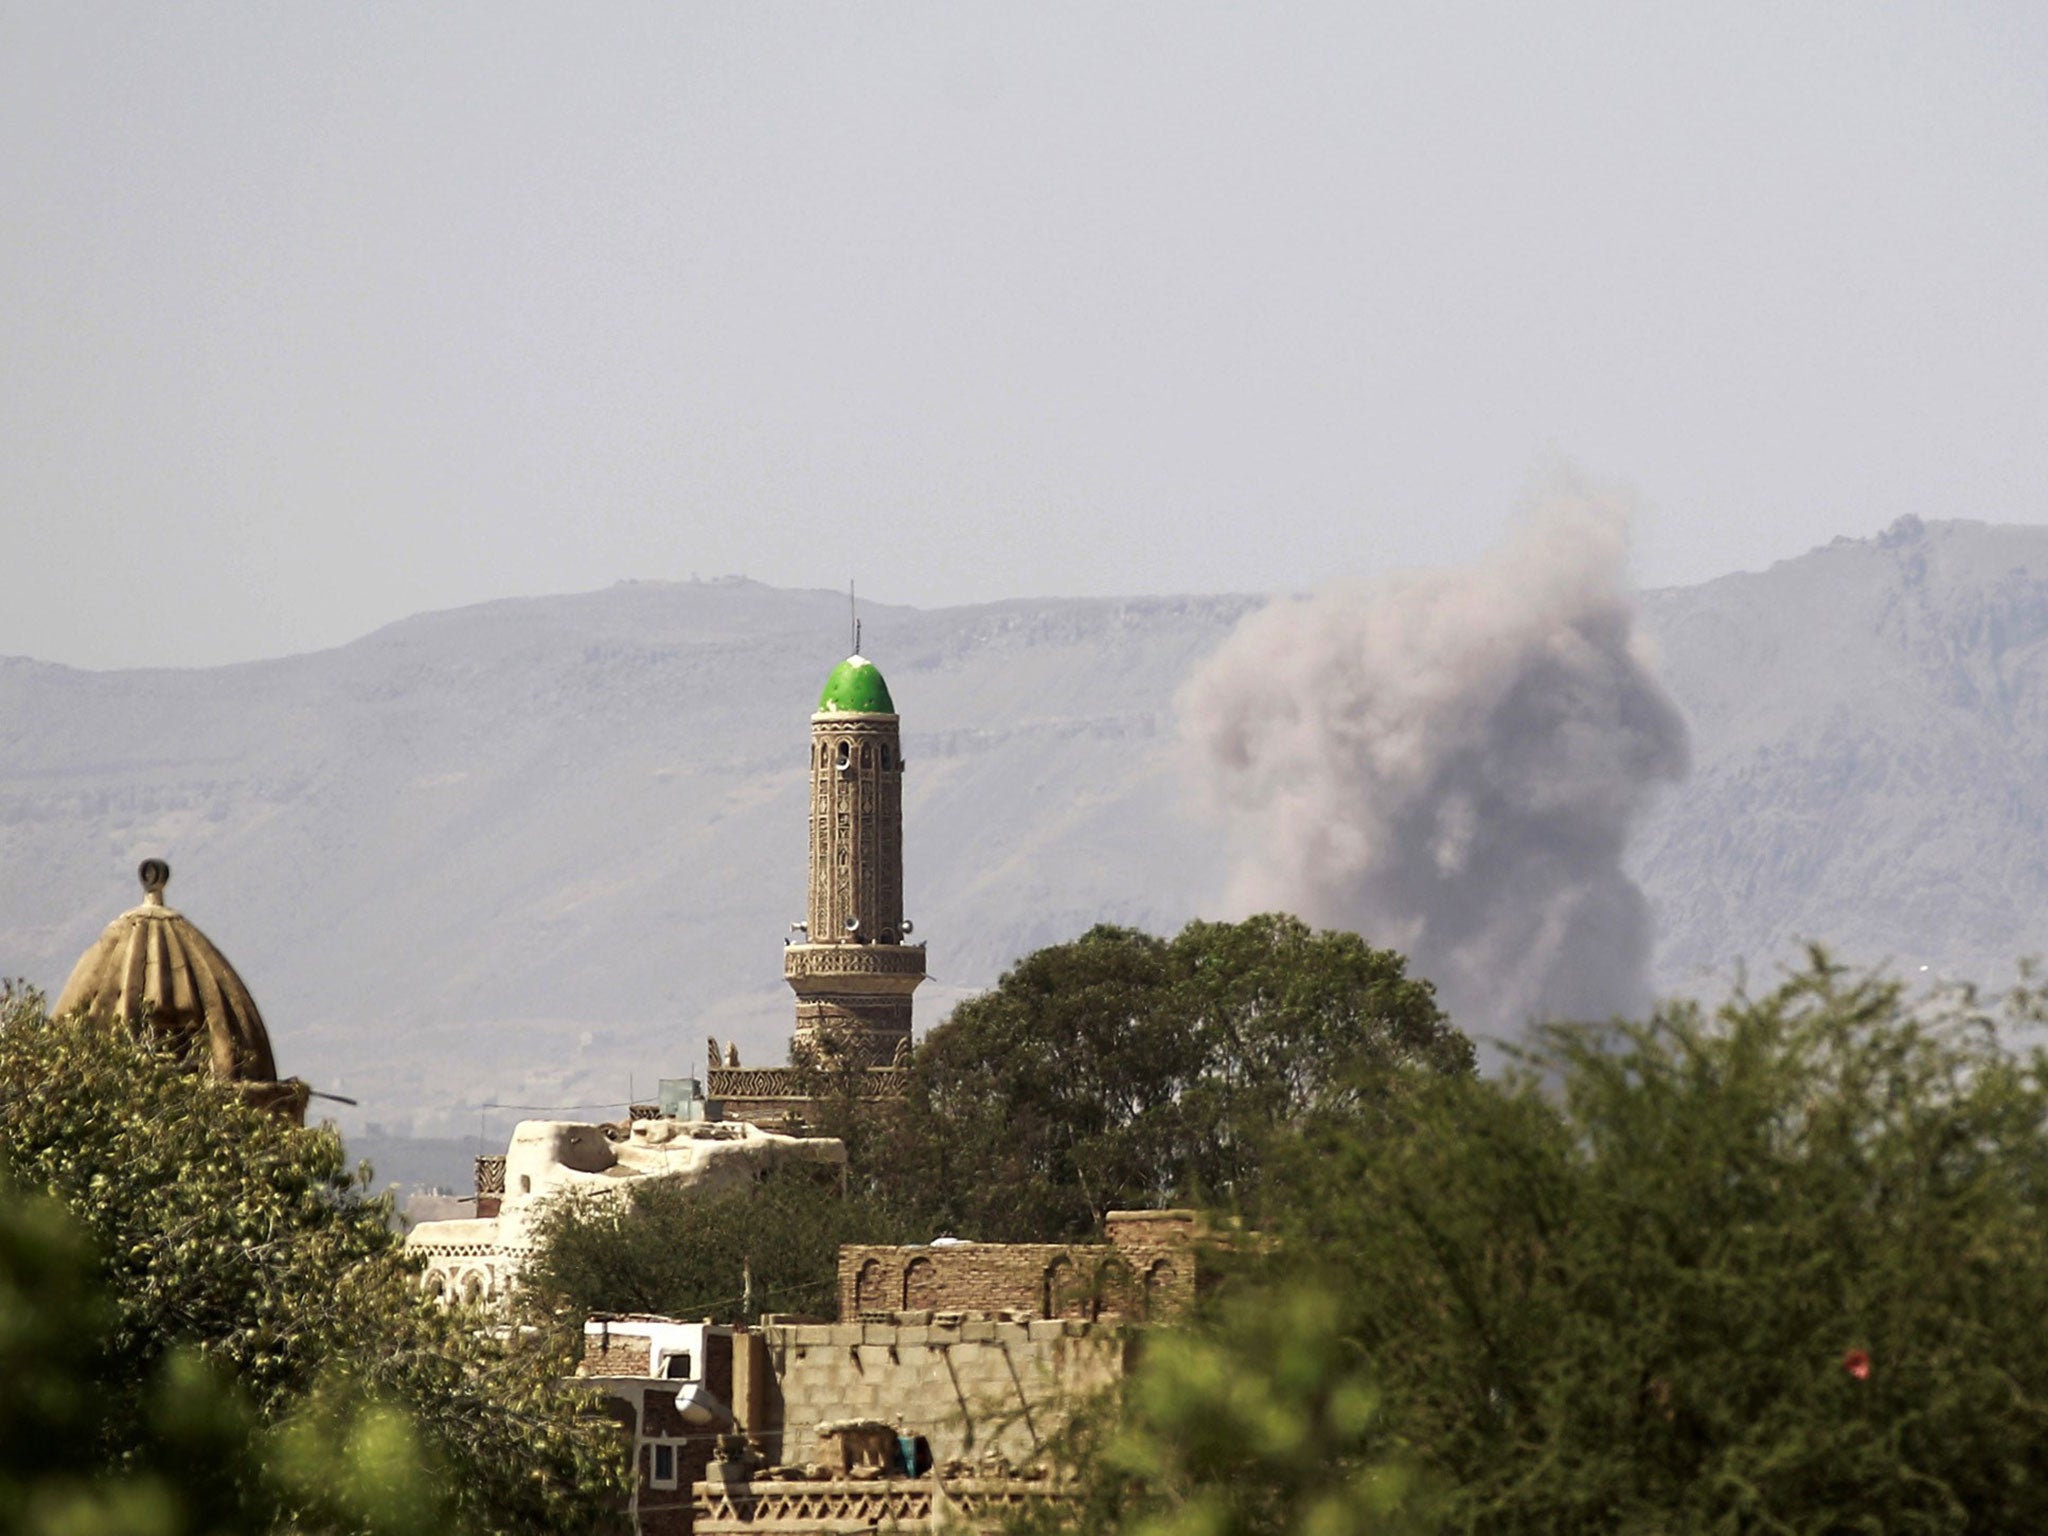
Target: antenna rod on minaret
{"type": "Point", "coordinates": [853, 617]}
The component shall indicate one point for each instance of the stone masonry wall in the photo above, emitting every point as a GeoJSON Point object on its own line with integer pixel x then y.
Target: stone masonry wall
{"type": "Point", "coordinates": [974, 1389]}
{"type": "Point", "coordinates": [1146, 1271]}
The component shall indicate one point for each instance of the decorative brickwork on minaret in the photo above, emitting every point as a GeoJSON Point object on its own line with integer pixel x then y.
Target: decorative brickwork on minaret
{"type": "Point", "coordinates": [853, 973]}
{"type": "Point", "coordinates": [852, 966]}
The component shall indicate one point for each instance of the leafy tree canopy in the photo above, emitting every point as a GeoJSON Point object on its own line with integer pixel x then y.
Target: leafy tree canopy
{"type": "Point", "coordinates": [1120, 1070]}
{"type": "Point", "coordinates": [91, 1443]}
{"type": "Point", "coordinates": [727, 1254]}
{"type": "Point", "coordinates": [1266, 1420]}
{"type": "Point", "coordinates": [1777, 1268]}
{"type": "Point", "coordinates": [1128, 1071]}
{"type": "Point", "coordinates": [225, 1233]}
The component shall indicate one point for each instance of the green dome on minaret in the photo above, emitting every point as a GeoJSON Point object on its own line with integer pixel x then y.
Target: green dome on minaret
{"type": "Point", "coordinates": [856, 687]}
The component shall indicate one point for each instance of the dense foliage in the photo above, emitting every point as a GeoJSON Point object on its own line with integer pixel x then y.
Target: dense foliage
{"type": "Point", "coordinates": [1118, 1071]}
{"type": "Point", "coordinates": [1127, 1071]}
{"type": "Point", "coordinates": [728, 1254]}
{"type": "Point", "coordinates": [226, 1234]}
{"type": "Point", "coordinates": [1780, 1268]}
{"type": "Point", "coordinates": [90, 1443]}
{"type": "Point", "coordinates": [1265, 1420]}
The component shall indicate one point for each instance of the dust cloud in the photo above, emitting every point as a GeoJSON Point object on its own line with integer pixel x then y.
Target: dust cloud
{"type": "Point", "coordinates": [1450, 763]}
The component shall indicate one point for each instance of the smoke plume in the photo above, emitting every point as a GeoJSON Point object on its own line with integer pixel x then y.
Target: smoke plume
{"type": "Point", "coordinates": [1450, 763]}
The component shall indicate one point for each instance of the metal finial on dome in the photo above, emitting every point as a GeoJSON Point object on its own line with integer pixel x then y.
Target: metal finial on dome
{"type": "Point", "coordinates": [155, 874]}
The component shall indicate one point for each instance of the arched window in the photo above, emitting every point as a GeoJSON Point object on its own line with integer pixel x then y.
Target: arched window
{"type": "Point", "coordinates": [1159, 1295]}
{"type": "Point", "coordinates": [920, 1286]}
{"type": "Point", "coordinates": [867, 756]}
{"type": "Point", "coordinates": [885, 757]}
{"type": "Point", "coordinates": [845, 753]}
{"type": "Point", "coordinates": [1115, 1290]}
{"type": "Point", "coordinates": [1062, 1293]}
{"type": "Point", "coordinates": [871, 1288]}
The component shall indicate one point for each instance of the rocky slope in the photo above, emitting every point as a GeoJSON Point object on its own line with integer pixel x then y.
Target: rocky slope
{"type": "Point", "coordinates": [533, 852]}
{"type": "Point", "coordinates": [1870, 726]}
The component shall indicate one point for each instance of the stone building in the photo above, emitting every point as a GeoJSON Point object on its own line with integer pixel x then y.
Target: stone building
{"type": "Point", "coordinates": [674, 1389]}
{"type": "Point", "coordinates": [153, 970]}
{"type": "Point", "coordinates": [802, 1427]}
{"type": "Point", "coordinates": [1144, 1273]}
{"type": "Point", "coordinates": [977, 1390]}
{"type": "Point", "coordinates": [852, 963]}
{"type": "Point", "coordinates": [478, 1259]}
{"type": "Point", "coordinates": [893, 1417]}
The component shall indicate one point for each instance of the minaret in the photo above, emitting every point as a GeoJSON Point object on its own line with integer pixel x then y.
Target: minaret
{"type": "Point", "coordinates": [853, 973]}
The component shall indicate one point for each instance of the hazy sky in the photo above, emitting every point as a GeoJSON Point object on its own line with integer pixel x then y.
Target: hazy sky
{"type": "Point", "coordinates": [313, 316]}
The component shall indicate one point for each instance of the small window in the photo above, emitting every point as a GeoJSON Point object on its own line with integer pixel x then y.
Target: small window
{"type": "Point", "coordinates": [525, 1184]}
{"type": "Point", "coordinates": [664, 1466]}
{"type": "Point", "coordinates": [885, 757]}
{"type": "Point", "coordinates": [676, 1367]}
{"type": "Point", "coordinates": [845, 753]}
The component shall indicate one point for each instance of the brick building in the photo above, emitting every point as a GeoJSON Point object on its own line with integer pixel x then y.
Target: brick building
{"type": "Point", "coordinates": [1145, 1272]}
{"type": "Point", "coordinates": [953, 1401]}
{"type": "Point", "coordinates": [963, 1390]}
{"type": "Point", "coordinates": [734, 1428]}
{"type": "Point", "coordinates": [672, 1388]}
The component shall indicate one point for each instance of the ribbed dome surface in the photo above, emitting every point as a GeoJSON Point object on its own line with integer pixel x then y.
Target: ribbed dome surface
{"type": "Point", "coordinates": [151, 963]}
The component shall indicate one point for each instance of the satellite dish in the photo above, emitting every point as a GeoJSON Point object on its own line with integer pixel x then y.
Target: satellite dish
{"type": "Point", "coordinates": [853, 925]}
{"type": "Point", "coordinates": [909, 927]}
{"type": "Point", "coordinates": [698, 1404]}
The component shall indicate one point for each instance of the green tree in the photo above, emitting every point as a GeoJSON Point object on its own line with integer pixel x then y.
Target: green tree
{"type": "Point", "coordinates": [89, 1442]}
{"type": "Point", "coordinates": [1775, 1268]}
{"type": "Point", "coordinates": [1125, 1070]}
{"type": "Point", "coordinates": [225, 1232]}
{"type": "Point", "coordinates": [731, 1254]}
{"type": "Point", "coordinates": [1263, 1422]}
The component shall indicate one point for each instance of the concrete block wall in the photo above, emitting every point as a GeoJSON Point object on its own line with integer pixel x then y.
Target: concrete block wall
{"type": "Point", "coordinates": [972, 1388]}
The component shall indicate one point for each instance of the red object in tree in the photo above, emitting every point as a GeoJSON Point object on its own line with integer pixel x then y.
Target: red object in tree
{"type": "Point", "coordinates": [1857, 1363]}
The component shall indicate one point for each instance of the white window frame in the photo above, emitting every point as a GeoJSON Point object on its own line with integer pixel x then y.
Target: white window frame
{"type": "Point", "coordinates": [675, 1461]}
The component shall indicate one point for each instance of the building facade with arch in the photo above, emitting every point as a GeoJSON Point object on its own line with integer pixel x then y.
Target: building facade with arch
{"type": "Point", "coordinates": [1147, 1271]}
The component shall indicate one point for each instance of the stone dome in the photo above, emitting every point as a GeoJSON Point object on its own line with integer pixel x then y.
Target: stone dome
{"type": "Point", "coordinates": [151, 964]}
{"type": "Point", "coordinates": [856, 687]}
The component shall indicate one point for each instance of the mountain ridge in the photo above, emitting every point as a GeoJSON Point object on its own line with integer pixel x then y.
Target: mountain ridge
{"type": "Point", "coordinates": [535, 849]}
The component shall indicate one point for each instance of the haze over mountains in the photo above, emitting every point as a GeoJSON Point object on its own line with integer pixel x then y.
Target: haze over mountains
{"type": "Point", "coordinates": [533, 852]}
